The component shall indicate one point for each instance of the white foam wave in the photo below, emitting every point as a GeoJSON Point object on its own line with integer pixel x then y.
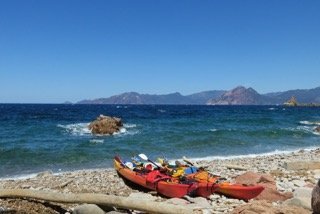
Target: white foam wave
{"type": "Point", "coordinates": [316, 133]}
{"type": "Point", "coordinates": [121, 131]}
{"type": "Point", "coordinates": [96, 141]}
{"type": "Point", "coordinates": [308, 129]}
{"type": "Point", "coordinates": [271, 109]}
{"type": "Point", "coordinates": [213, 130]}
{"type": "Point", "coordinates": [231, 157]}
{"type": "Point", "coordinates": [19, 177]}
{"type": "Point", "coordinates": [305, 122]}
{"type": "Point", "coordinates": [81, 129]}
{"type": "Point", "coordinates": [305, 129]}
{"type": "Point", "coordinates": [124, 131]}
{"type": "Point", "coordinates": [76, 129]}
{"type": "Point", "coordinates": [129, 125]}
{"type": "Point", "coordinates": [161, 110]}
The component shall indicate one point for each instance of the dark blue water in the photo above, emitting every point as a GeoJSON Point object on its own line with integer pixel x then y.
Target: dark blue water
{"type": "Point", "coordinates": [55, 137]}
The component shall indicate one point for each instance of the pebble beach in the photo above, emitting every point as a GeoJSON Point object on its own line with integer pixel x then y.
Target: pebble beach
{"type": "Point", "coordinates": [288, 180]}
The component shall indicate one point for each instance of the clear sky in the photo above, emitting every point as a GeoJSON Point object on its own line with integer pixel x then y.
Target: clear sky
{"type": "Point", "coordinates": [52, 51]}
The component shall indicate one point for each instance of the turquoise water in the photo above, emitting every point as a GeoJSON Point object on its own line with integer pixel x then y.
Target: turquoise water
{"type": "Point", "coordinates": [55, 137]}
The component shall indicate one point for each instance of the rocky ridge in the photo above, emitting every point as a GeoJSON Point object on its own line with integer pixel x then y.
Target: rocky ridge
{"type": "Point", "coordinates": [237, 96]}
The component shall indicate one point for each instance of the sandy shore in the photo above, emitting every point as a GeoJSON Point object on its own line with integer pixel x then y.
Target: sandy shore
{"type": "Point", "coordinates": [108, 182]}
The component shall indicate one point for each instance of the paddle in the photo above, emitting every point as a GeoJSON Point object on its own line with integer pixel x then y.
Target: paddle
{"type": "Point", "coordinates": [145, 158]}
{"type": "Point", "coordinates": [187, 161]}
{"type": "Point", "coordinates": [117, 158]}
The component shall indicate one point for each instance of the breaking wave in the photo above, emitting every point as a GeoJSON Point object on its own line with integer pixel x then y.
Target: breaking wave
{"type": "Point", "coordinates": [230, 157]}
{"type": "Point", "coordinates": [81, 129]}
{"type": "Point", "coordinates": [305, 122]}
{"type": "Point", "coordinates": [78, 129]}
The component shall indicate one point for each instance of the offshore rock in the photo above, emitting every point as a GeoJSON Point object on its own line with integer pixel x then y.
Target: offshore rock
{"type": "Point", "coordinates": [317, 129]}
{"type": "Point", "coordinates": [105, 125]}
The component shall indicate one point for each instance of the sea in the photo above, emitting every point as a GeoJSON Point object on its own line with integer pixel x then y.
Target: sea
{"type": "Point", "coordinates": [40, 137]}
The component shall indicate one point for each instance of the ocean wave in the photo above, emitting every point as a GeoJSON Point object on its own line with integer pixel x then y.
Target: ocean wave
{"type": "Point", "coordinates": [96, 141]}
{"type": "Point", "coordinates": [271, 109]}
{"type": "Point", "coordinates": [231, 157]}
{"type": "Point", "coordinates": [305, 129]}
{"type": "Point", "coordinates": [129, 125]}
{"type": "Point", "coordinates": [305, 122]}
{"type": "Point", "coordinates": [308, 129]}
{"type": "Point", "coordinates": [162, 110]}
{"type": "Point", "coordinates": [81, 129]}
{"type": "Point", "coordinates": [124, 131]}
{"type": "Point", "coordinates": [213, 130]}
{"type": "Point", "coordinates": [78, 129]}
{"type": "Point", "coordinates": [19, 177]}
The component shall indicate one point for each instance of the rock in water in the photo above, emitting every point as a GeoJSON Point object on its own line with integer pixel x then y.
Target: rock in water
{"type": "Point", "coordinates": [317, 129]}
{"type": "Point", "coordinates": [315, 199]}
{"type": "Point", "coordinates": [105, 125]}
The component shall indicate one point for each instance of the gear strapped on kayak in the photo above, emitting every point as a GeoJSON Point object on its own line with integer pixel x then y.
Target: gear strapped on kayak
{"type": "Point", "coordinates": [178, 180]}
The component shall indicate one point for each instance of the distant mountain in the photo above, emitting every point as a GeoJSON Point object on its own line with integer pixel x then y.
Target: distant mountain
{"type": "Point", "coordinates": [302, 95]}
{"type": "Point", "coordinates": [167, 99]}
{"type": "Point", "coordinates": [202, 97]}
{"type": "Point", "coordinates": [237, 96]}
{"type": "Point", "coordinates": [241, 96]}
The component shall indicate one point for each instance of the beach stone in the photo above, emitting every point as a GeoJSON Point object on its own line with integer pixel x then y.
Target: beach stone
{"type": "Point", "coordinates": [301, 198]}
{"type": "Point", "coordinates": [214, 197]}
{"type": "Point", "coordinates": [302, 165]}
{"type": "Point", "coordinates": [276, 173]}
{"type": "Point", "coordinates": [264, 207]}
{"type": "Point", "coordinates": [270, 193]}
{"type": "Point", "coordinates": [273, 195]}
{"type": "Point", "coordinates": [105, 125]}
{"type": "Point", "coordinates": [316, 173]}
{"type": "Point", "coordinates": [115, 212]}
{"type": "Point", "coordinates": [145, 196]}
{"type": "Point", "coordinates": [303, 192]}
{"type": "Point", "coordinates": [299, 202]}
{"type": "Point", "coordinates": [299, 183]}
{"type": "Point", "coordinates": [177, 201]}
{"type": "Point", "coordinates": [88, 209]}
{"type": "Point", "coordinates": [199, 201]}
{"type": "Point", "coordinates": [315, 198]}
{"type": "Point", "coordinates": [252, 178]}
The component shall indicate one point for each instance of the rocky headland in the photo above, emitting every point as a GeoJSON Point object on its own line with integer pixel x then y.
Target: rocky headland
{"type": "Point", "coordinates": [288, 180]}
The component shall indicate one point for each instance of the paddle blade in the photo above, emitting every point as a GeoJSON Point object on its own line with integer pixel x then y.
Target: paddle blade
{"type": "Point", "coordinates": [143, 157]}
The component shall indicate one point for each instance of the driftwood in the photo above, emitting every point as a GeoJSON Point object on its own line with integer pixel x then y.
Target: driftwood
{"type": "Point", "coordinates": [237, 167]}
{"type": "Point", "coordinates": [98, 199]}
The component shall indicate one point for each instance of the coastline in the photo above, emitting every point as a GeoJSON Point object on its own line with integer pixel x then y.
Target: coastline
{"type": "Point", "coordinates": [205, 160]}
{"type": "Point", "coordinates": [107, 181]}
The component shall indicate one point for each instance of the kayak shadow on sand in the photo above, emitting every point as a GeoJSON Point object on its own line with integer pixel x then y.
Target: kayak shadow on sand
{"type": "Point", "coordinates": [133, 185]}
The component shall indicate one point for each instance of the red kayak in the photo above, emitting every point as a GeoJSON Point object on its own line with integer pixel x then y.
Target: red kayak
{"type": "Point", "coordinates": [208, 185]}
{"type": "Point", "coordinates": [155, 180]}
{"type": "Point", "coordinates": [237, 191]}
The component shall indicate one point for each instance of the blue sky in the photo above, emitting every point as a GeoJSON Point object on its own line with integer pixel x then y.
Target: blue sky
{"type": "Point", "coordinates": [53, 51]}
